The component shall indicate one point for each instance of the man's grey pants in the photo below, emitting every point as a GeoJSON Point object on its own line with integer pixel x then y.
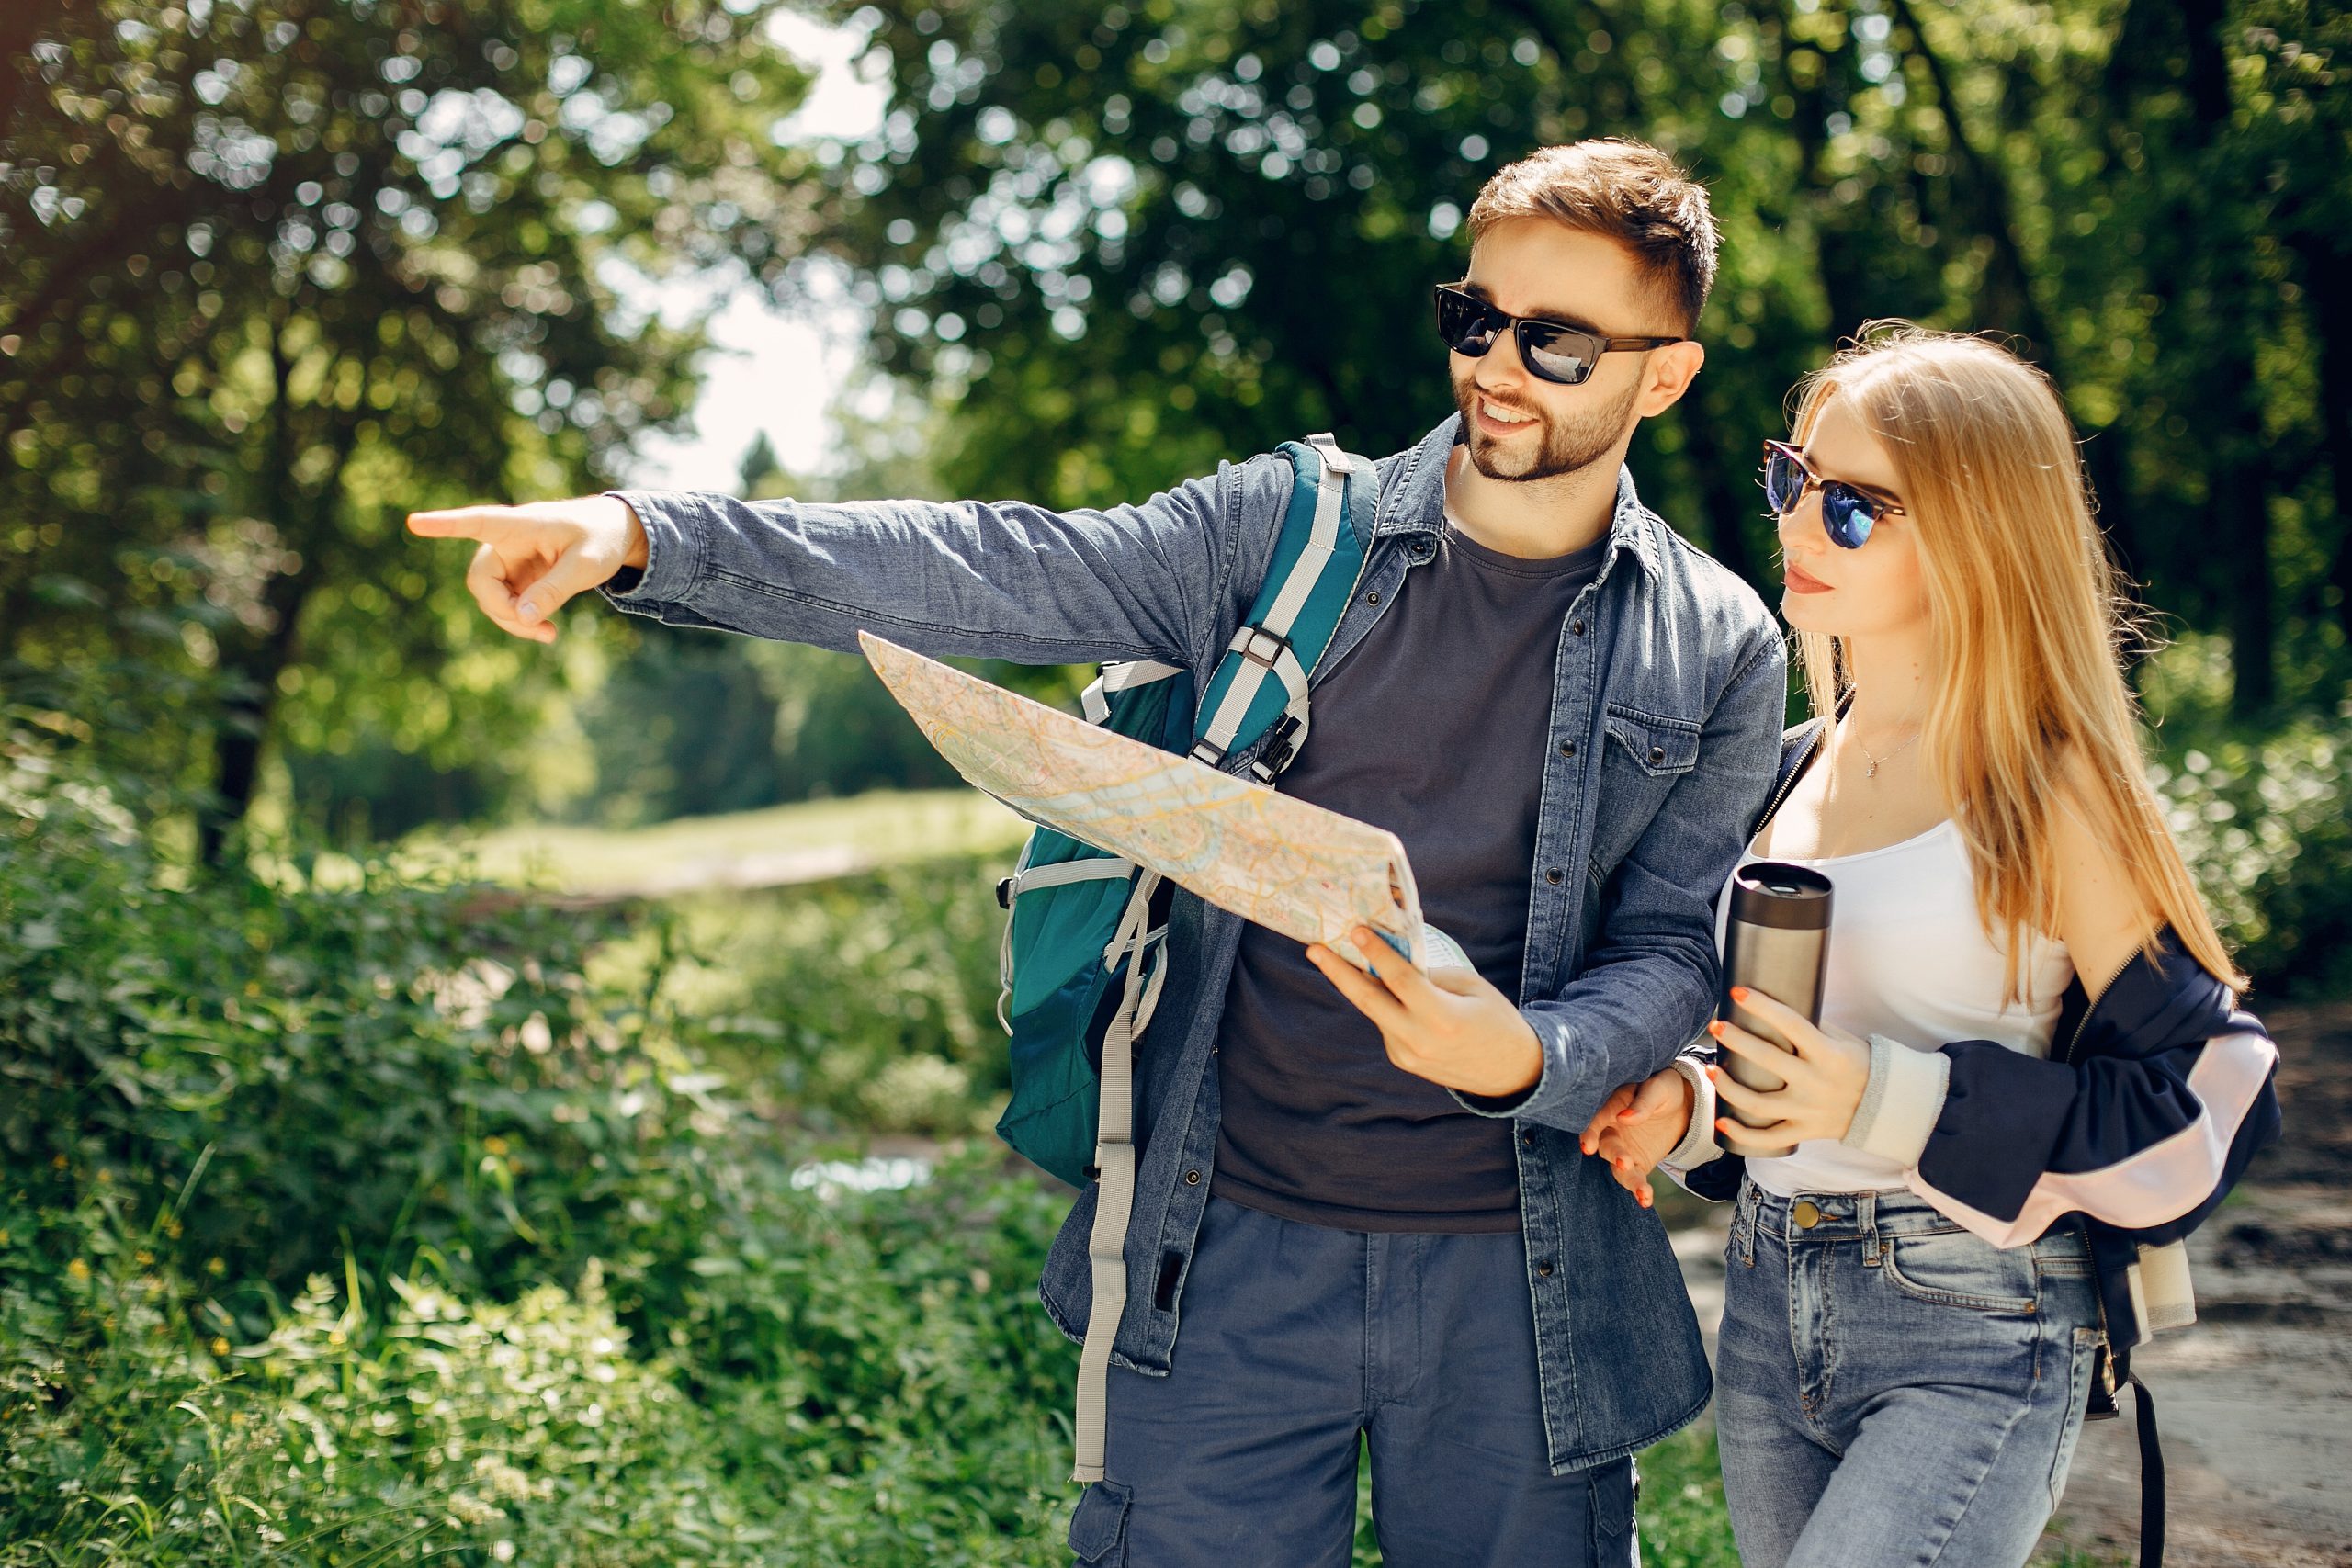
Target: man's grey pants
{"type": "Point", "coordinates": [1297, 1344]}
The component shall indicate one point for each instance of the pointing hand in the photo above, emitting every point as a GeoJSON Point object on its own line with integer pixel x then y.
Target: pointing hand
{"type": "Point", "coordinates": [533, 558]}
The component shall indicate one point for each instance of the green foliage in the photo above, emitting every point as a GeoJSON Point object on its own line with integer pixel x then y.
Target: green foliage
{"type": "Point", "coordinates": [1133, 239]}
{"type": "Point", "coordinates": [279, 273]}
{"type": "Point", "coordinates": [867, 1001]}
{"type": "Point", "coordinates": [2263, 817]}
{"type": "Point", "coordinates": [289, 1173]}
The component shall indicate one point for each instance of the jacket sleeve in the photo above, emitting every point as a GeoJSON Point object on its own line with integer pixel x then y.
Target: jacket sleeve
{"type": "Point", "coordinates": [998, 579]}
{"type": "Point", "coordinates": [1700, 1164]}
{"type": "Point", "coordinates": [2145, 1125]}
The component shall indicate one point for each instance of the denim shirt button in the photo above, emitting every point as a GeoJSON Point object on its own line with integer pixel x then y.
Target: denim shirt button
{"type": "Point", "coordinates": [1192, 1179]}
{"type": "Point", "coordinates": [1373, 597]}
{"type": "Point", "coordinates": [1544, 1268]}
{"type": "Point", "coordinates": [1576, 628]}
{"type": "Point", "coordinates": [1553, 875]}
{"type": "Point", "coordinates": [1568, 748]}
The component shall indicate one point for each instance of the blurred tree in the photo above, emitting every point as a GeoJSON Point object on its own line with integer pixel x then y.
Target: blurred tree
{"type": "Point", "coordinates": [277, 272]}
{"type": "Point", "coordinates": [1126, 239]}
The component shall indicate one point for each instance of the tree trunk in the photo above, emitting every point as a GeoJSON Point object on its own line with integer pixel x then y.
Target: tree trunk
{"type": "Point", "coordinates": [304, 523]}
{"type": "Point", "coordinates": [2237, 473]}
{"type": "Point", "coordinates": [2323, 270]}
{"type": "Point", "coordinates": [2006, 299]}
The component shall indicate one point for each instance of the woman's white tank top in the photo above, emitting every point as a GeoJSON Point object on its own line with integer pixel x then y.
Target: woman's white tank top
{"type": "Point", "coordinates": [1909, 959]}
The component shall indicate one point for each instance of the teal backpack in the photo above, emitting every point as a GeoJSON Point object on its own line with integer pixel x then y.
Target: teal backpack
{"type": "Point", "coordinates": [1080, 966]}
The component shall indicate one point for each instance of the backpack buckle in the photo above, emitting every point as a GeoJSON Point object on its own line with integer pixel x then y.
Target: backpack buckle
{"type": "Point", "coordinates": [1266, 655]}
{"type": "Point", "coordinates": [1004, 892]}
{"type": "Point", "coordinates": [1281, 745]}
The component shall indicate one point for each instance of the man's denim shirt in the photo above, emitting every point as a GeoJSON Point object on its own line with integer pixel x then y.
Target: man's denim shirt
{"type": "Point", "coordinates": [1666, 722]}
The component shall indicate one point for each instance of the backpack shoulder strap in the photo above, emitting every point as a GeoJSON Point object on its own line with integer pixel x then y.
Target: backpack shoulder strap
{"type": "Point", "coordinates": [1318, 557]}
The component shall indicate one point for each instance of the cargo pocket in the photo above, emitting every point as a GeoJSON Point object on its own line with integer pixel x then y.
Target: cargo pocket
{"type": "Point", "coordinates": [1613, 1489]}
{"type": "Point", "coordinates": [1098, 1529]}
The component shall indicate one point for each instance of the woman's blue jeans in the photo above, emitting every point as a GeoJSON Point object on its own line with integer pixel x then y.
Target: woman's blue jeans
{"type": "Point", "coordinates": [1890, 1389]}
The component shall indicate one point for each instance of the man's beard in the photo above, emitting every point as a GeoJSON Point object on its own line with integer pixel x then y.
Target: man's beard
{"type": "Point", "coordinates": [1562, 447]}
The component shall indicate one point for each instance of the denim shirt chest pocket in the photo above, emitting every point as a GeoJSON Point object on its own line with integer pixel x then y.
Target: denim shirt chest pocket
{"type": "Point", "coordinates": [1644, 755]}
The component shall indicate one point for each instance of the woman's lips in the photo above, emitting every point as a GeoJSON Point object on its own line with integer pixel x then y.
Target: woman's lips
{"type": "Point", "coordinates": [1797, 582]}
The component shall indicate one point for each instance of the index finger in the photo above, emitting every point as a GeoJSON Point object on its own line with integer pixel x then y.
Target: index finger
{"type": "Point", "coordinates": [1366, 994]}
{"type": "Point", "coordinates": [1771, 1010]}
{"type": "Point", "coordinates": [484, 523]}
{"type": "Point", "coordinates": [1395, 971]}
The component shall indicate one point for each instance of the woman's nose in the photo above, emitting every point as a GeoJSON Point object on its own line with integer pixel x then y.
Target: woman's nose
{"type": "Point", "coordinates": [1800, 526]}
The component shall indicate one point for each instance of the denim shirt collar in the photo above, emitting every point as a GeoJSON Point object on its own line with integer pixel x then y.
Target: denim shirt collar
{"type": "Point", "coordinates": [1413, 501]}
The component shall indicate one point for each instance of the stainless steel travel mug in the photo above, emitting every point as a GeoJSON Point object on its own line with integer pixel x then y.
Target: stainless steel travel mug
{"type": "Point", "coordinates": [1776, 941]}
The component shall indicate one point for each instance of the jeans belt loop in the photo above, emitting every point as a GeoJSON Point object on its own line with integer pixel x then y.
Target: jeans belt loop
{"type": "Point", "coordinates": [1866, 1217]}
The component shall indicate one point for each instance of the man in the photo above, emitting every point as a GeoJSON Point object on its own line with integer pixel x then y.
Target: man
{"type": "Point", "coordinates": [1364, 1195]}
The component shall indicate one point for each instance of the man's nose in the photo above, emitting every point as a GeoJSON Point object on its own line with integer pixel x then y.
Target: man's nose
{"type": "Point", "coordinates": [1500, 366]}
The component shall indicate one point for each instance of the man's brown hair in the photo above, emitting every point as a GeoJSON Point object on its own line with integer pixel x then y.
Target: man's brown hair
{"type": "Point", "coordinates": [1624, 190]}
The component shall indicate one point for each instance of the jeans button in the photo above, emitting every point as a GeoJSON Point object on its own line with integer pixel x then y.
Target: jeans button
{"type": "Point", "coordinates": [1807, 1213]}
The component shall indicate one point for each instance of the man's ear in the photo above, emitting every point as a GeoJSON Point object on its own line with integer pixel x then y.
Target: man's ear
{"type": "Point", "coordinates": [1668, 376]}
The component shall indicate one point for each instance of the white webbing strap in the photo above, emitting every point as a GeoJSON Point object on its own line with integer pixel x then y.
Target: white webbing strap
{"type": "Point", "coordinates": [1093, 868]}
{"type": "Point", "coordinates": [1114, 1163]}
{"type": "Point", "coordinates": [1251, 642]}
{"type": "Point", "coordinates": [1130, 672]}
{"type": "Point", "coordinates": [1096, 699]}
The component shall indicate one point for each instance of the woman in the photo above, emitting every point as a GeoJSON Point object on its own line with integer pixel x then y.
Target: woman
{"type": "Point", "coordinates": [1923, 1295]}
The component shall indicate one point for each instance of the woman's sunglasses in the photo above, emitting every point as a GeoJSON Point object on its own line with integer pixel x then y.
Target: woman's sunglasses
{"type": "Point", "coordinates": [1848, 514]}
{"type": "Point", "coordinates": [1550, 350]}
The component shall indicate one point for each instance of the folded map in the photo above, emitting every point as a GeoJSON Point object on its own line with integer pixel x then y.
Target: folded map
{"type": "Point", "coordinates": [1297, 868]}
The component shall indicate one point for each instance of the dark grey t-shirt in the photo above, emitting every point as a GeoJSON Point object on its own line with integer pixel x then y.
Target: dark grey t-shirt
{"type": "Point", "coordinates": [1434, 727]}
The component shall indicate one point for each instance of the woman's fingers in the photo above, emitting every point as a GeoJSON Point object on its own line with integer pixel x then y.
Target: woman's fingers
{"type": "Point", "coordinates": [1753, 1048]}
{"type": "Point", "coordinates": [1794, 1027]}
{"type": "Point", "coordinates": [1730, 1091]}
{"type": "Point", "coordinates": [1604, 1119]}
{"type": "Point", "coordinates": [1659, 1095]}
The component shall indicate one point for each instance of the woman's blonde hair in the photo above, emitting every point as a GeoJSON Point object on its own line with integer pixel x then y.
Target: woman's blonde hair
{"type": "Point", "coordinates": [2029, 615]}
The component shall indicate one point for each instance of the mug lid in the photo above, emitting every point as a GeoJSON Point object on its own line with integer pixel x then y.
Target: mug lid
{"type": "Point", "coordinates": [1776, 893]}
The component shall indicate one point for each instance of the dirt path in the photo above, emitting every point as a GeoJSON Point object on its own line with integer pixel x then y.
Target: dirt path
{"type": "Point", "coordinates": [2255, 1399]}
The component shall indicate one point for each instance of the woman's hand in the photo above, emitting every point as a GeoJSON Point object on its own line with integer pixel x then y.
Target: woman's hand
{"type": "Point", "coordinates": [1824, 1078]}
{"type": "Point", "coordinates": [1638, 1125]}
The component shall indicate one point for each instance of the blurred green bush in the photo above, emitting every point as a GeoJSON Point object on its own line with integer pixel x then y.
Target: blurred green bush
{"type": "Point", "coordinates": [2264, 817]}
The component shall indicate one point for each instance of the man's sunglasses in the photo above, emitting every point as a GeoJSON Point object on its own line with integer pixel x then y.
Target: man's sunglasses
{"type": "Point", "coordinates": [1848, 514]}
{"type": "Point", "coordinates": [1550, 350]}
